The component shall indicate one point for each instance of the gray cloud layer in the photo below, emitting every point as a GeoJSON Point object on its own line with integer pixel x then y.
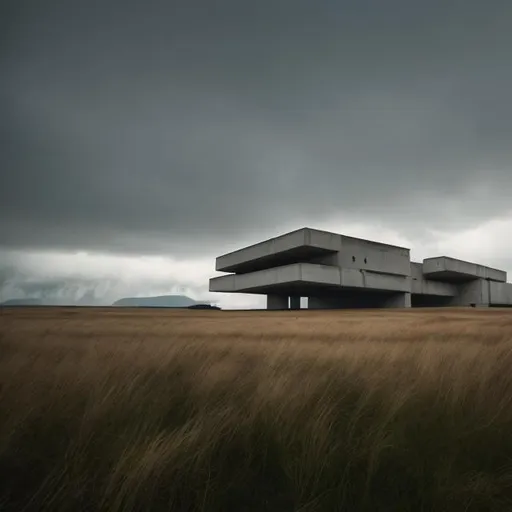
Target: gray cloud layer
{"type": "Point", "coordinates": [22, 279]}
{"type": "Point", "coordinates": [154, 126]}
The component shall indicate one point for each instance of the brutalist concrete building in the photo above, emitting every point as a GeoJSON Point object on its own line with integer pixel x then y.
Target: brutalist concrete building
{"type": "Point", "coordinates": [337, 271]}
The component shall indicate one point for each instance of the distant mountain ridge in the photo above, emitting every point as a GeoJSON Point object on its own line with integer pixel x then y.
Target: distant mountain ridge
{"type": "Point", "coordinates": [162, 301]}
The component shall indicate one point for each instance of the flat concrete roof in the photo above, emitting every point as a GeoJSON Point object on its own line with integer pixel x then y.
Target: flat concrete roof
{"type": "Point", "coordinates": [374, 242]}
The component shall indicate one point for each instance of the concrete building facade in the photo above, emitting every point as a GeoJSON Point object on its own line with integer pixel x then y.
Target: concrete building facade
{"type": "Point", "coordinates": [336, 271]}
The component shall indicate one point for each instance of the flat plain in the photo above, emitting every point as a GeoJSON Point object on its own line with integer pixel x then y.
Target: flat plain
{"type": "Point", "coordinates": [152, 409]}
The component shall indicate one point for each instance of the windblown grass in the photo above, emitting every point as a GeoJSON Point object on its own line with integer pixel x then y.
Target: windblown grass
{"type": "Point", "coordinates": [123, 410]}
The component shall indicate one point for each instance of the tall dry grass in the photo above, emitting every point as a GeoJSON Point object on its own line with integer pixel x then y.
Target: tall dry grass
{"type": "Point", "coordinates": [123, 410]}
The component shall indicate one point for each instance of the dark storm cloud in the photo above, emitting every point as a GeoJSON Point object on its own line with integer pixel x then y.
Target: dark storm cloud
{"type": "Point", "coordinates": [153, 126]}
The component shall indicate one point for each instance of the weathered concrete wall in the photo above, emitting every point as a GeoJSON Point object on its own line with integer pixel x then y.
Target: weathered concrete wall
{"type": "Point", "coordinates": [445, 266]}
{"type": "Point", "coordinates": [311, 274]}
{"type": "Point", "coordinates": [353, 278]}
{"type": "Point", "coordinates": [433, 288]}
{"type": "Point", "coordinates": [472, 292]}
{"type": "Point", "coordinates": [375, 257]}
{"type": "Point", "coordinates": [483, 293]}
{"type": "Point", "coordinates": [370, 256]}
{"type": "Point", "coordinates": [417, 270]}
{"type": "Point", "coordinates": [371, 280]}
{"type": "Point", "coordinates": [501, 294]}
{"type": "Point", "coordinates": [320, 274]}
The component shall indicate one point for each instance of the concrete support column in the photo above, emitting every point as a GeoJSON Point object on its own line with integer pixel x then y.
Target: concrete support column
{"type": "Point", "coordinates": [294, 302]}
{"type": "Point", "coordinates": [277, 302]}
{"type": "Point", "coordinates": [398, 300]}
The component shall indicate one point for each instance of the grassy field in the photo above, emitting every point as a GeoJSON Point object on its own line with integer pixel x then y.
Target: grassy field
{"type": "Point", "coordinates": [153, 410]}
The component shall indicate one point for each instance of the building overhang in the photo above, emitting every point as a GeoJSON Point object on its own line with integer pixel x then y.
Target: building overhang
{"type": "Point", "coordinates": [306, 278]}
{"type": "Point", "coordinates": [453, 270]}
{"type": "Point", "coordinates": [301, 245]}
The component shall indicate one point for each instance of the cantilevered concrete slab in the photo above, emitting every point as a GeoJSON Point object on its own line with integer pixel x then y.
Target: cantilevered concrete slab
{"type": "Point", "coordinates": [297, 246]}
{"type": "Point", "coordinates": [304, 276]}
{"type": "Point", "coordinates": [453, 270]}
{"type": "Point", "coordinates": [338, 271]}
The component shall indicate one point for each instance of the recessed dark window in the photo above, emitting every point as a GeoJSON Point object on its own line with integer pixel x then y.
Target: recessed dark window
{"type": "Point", "coordinates": [353, 259]}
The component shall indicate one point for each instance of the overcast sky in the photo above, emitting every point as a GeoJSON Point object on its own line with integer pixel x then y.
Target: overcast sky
{"type": "Point", "coordinates": [140, 139]}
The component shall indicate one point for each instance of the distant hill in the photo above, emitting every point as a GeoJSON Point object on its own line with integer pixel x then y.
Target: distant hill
{"type": "Point", "coordinates": [22, 302]}
{"type": "Point", "coordinates": [163, 301]}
